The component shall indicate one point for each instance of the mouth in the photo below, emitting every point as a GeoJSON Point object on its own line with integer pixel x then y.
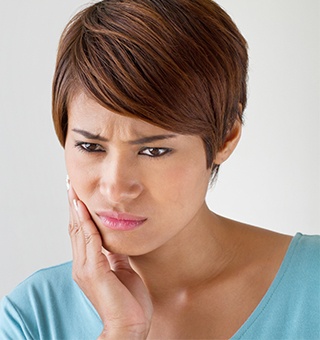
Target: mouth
{"type": "Point", "coordinates": [120, 221]}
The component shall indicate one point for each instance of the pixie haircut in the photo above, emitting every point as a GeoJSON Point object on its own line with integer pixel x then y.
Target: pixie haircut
{"type": "Point", "coordinates": [177, 64]}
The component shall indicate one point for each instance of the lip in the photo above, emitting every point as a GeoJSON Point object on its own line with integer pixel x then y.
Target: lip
{"type": "Point", "coordinates": [120, 221]}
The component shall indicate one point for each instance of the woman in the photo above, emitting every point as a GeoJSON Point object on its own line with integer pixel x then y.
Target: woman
{"type": "Point", "coordinates": [148, 98]}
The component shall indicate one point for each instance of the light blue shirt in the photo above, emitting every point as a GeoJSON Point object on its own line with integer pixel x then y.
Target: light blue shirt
{"type": "Point", "coordinates": [49, 304]}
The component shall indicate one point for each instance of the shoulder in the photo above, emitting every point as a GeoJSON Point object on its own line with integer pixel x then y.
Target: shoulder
{"type": "Point", "coordinates": [304, 252]}
{"type": "Point", "coordinates": [295, 291]}
{"type": "Point", "coordinates": [302, 262]}
{"type": "Point", "coordinates": [43, 288]}
{"type": "Point", "coordinates": [48, 304]}
{"type": "Point", "coordinates": [307, 243]}
{"type": "Point", "coordinates": [21, 310]}
{"type": "Point", "coordinates": [44, 280]}
{"type": "Point", "coordinates": [50, 273]}
{"type": "Point", "coordinates": [290, 308]}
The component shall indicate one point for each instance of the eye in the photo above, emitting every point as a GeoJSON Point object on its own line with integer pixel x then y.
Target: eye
{"type": "Point", "coordinates": [89, 147]}
{"type": "Point", "coordinates": [154, 152]}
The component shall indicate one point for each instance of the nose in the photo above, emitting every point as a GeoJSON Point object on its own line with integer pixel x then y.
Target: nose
{"type": "Point", "coordinates": [119, 182]}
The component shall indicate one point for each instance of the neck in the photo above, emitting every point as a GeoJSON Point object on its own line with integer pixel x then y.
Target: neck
{"type": "Point", "coordinates": [200, 252]}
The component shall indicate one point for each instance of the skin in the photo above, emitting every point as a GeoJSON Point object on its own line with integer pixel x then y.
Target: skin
{"type": "Point", "coordinates": [196, 272]}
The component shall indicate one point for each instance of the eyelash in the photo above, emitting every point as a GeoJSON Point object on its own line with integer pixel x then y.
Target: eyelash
{"type": "Point", "coordinates": [85, 147]}
{"type": "Point", "coordinates": [164, 151]}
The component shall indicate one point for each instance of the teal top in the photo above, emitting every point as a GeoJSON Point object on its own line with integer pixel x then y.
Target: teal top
{"type": "Point", "coordinates": [49, 304]}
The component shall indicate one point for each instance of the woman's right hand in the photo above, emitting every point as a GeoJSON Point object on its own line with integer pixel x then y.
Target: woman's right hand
{"type": "Point", "coordinates": [113, 287]}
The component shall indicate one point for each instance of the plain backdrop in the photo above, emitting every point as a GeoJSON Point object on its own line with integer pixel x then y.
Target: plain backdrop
{"type": "Point", "coordinates": [272, 180]}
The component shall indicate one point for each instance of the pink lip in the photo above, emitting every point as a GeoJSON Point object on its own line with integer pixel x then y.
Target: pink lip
{"type": "Point", "coordinates": [120, 221]}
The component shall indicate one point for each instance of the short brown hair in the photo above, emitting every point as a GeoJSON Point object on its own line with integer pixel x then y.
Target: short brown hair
{"type": "Point", "coordinates": [178, 64]}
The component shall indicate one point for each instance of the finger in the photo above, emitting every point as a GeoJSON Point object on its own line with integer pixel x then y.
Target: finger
{"type": "Point", "coordinates": [119, 262]}
{"type": "Point", "coordinates": [92, 237]}
{"type": "Point", "coordinates": [72, 198]}
{"type": "Point", "coordinates": [76, 235]}
{"type": "Point", "coordinates": [85, 235]}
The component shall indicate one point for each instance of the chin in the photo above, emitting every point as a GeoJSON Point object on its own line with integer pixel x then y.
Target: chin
{"type": "Point", "coordinates": [121, 247]}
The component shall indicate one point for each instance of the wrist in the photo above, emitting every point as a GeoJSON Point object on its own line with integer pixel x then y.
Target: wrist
{"type": "Point", "coordinates": [122, 334]}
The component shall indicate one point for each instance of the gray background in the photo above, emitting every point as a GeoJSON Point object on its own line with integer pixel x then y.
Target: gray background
{"type": "Point", "coordinates": [272, 180]}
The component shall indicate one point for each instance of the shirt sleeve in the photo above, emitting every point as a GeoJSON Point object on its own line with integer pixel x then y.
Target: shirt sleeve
{"type": "Point", "coordinates": [12, 326]}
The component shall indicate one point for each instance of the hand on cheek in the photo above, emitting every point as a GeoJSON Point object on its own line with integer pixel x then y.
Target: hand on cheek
{"type": "Point", "coordinates": [108, 281]}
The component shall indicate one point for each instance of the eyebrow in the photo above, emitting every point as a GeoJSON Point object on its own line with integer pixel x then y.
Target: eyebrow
{"type": "Point", "coordinates": [90, 135]}
{"type": "Point", "coordinates": [143, 140]}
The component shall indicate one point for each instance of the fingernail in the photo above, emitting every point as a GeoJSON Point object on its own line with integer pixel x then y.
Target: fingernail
{"type": "Point", "coordinates": [75, 204]}
{"type": "Point", "coordinates": [68, 183]}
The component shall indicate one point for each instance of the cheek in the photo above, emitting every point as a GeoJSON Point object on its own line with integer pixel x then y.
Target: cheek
{"type": "Point", "coordinates": [81, 178]}
{"type": "Point", "coordinates": [183, 184]}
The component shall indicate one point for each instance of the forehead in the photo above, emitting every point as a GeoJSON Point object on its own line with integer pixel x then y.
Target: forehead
{"type": "Point", "coordinates": [86, 113]}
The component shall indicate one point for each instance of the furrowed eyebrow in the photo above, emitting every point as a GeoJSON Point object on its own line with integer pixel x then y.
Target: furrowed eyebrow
{"type": "Point", "coordinates": [90, 135]}
{"type": "Point", "coordinates": [151, 139]}
{"type": "Point", "coordinates": [142, 140]}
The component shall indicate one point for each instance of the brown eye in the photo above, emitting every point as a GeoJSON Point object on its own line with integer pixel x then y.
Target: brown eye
{"type": "Point", "coordinates": [154, 152]}
{"type": "Point", "coordinates": [90, 147]}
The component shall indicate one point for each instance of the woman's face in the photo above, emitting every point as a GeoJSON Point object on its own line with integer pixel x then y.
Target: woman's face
{"type": "Point", "coordinates": [142, 184]}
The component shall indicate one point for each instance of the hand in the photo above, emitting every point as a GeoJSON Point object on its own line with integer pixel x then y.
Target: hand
{"type": "Point", "coordinates": [115, 290]}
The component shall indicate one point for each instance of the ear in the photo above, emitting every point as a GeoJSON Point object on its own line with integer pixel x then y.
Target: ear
{"type": "Point", "coordinates": [230, 143]}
